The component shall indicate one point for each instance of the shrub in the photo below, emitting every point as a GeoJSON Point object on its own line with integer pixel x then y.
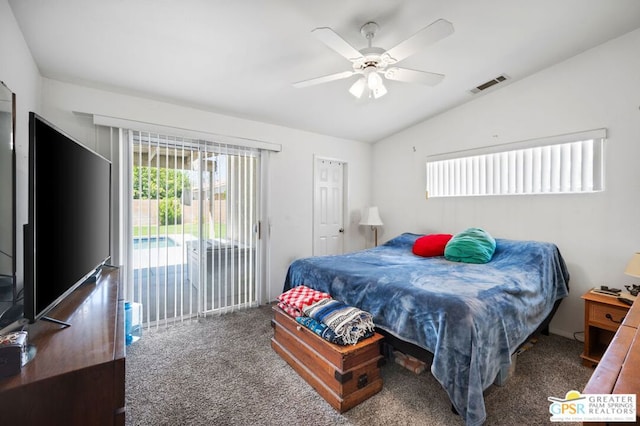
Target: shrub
{"type": "Point", "coordinates": [170, 211]}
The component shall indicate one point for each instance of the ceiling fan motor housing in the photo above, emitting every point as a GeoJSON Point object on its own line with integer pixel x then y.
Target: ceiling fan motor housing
{"type": "Point", "coordinates": [372, 56]}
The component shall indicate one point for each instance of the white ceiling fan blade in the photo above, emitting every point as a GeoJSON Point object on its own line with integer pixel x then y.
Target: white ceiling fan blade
{"type": "Point", "coordinates": [323, 79]}
{"type": "Point", "coordinates": [426, 36]}
{"type": "Point", "coordinates": [412, 76]}
{"type": "Point", "coordinates": [337, 43]}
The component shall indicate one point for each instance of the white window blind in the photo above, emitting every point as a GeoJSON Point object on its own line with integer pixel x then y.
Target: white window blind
{"type": "Point", "coordinates": [193, 242]}
{"type": "Point", "coordinates": [558, 165]}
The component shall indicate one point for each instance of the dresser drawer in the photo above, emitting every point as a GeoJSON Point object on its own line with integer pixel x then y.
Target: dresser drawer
{"type": "Point", "coordinates": [606, 316]}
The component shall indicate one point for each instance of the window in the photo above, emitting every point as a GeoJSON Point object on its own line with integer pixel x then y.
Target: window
{"type": "Point", "coordinates": [563, 164]}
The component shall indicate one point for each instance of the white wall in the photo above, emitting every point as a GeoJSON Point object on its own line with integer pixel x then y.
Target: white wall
{"type": "Point", "coordinates": [596, 233]}
{"type": "Point", "coordinates": [20, 73]}
{"type": "Point", "coordinates": [291, 170]}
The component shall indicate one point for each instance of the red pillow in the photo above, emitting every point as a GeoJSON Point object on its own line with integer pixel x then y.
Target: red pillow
{"type": "Point", "coordinates": [431, 245]}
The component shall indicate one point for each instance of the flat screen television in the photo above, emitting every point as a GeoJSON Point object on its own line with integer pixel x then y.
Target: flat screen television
{"type": "Point", "coordinates": [67, 238]}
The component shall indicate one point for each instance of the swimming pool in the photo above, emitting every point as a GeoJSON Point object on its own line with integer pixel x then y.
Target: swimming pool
{"type": "Point", "coordinates": [152, 242]}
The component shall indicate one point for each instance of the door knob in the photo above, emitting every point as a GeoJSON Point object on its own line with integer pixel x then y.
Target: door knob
{"type": "Point", "coordinates": [341, 230]}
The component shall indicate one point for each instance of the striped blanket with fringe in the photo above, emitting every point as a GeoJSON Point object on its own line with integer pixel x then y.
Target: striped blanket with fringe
{"type": "Point", "coordinates": [321, 329]}
{"type": "Point", "coordinates": [348, 322]}
{"type": "Point", "coordinates": [324, 331]}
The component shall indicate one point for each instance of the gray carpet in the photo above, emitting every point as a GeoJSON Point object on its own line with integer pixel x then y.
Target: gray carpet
{"type": "Point", "coordinates": [221, 370]}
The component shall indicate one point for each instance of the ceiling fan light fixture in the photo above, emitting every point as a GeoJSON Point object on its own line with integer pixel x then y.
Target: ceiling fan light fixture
{"type": "Point", "coordinates": [357, 89]}
{"type": "Point", "coordinates": [374, 80]}
{"type": "Point", "coordinates": [379, 91]}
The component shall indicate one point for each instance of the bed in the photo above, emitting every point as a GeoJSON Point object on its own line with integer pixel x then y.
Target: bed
{"type": "Point", "coordinates": [471, 317]}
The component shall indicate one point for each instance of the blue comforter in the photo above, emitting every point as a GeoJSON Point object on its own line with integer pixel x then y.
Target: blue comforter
{"type": "Point", "coordinates": [472, 317]}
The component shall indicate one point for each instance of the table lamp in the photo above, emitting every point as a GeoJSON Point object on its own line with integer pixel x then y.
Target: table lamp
{"type": "Point", "coordinates": [633, 270]}
{"type": "Point", "coordinates": [633, 267]}
{"type": "Point", "coordinates": [371, 217]}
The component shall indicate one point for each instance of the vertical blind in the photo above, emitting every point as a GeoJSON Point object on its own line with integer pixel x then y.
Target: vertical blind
{"type": "Point", "coordinates": [545, 166]}
{"type": "Point", "coordinates": [194, 216]}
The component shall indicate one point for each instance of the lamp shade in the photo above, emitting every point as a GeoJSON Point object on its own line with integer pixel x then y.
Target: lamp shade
{"type": "Point", "coordinates": [633, 267]}
{"type": "Point", "coordinates": [374, 80]}
{"type": "Point", "coordinates": [357, 89]}
{"type": "Point", "coordinates": [371, 217]}
{"type": "Point", "coordinates": [379, 91]}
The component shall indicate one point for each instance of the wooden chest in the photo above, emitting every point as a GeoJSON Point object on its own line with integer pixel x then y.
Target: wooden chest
{"type": "Point", "coordinates": [343, 375]}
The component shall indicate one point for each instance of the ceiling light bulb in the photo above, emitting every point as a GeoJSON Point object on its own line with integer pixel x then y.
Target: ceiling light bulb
{"type": "Point", "coordinates": [357, 89]}
{"type": "Point", "coordinates": [374, 80]}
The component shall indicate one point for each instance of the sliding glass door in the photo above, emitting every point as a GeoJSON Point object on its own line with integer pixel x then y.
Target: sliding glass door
{"type": "Point", "coordinates": [194, 226]}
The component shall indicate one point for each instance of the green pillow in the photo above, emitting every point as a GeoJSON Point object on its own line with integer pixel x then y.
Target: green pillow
{"type": "Point", "coordinates": [473, 245]}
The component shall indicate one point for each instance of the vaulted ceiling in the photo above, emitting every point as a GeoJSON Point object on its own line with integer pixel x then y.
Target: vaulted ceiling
{"type": "Point", "coordinates": [241, 57]}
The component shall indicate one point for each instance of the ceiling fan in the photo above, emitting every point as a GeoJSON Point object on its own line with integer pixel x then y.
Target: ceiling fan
{"type": "Point", "coordinates": [372, 63]}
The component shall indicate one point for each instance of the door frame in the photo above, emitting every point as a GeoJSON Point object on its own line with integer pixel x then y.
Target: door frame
{"type": "Point", "coordinates": [345, 198]}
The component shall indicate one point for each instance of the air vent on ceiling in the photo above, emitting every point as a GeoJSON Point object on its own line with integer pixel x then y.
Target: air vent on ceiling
{"type": "Point", "coordinates": [485, 86]}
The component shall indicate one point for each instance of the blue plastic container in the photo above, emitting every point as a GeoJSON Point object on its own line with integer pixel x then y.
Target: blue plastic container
{"type": "Point", "coordinates": [127, 323]}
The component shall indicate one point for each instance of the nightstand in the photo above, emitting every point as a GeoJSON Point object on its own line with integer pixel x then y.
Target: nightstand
{"type": "Point", "coordinates": [602, 317]}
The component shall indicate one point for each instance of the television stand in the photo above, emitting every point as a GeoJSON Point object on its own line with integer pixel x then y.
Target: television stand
{"type": "Point", "coordinates": [77, 376]}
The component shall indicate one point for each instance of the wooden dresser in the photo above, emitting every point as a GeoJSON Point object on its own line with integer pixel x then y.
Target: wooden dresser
{"type": "Point", "coordinates": [77, 376]}
{"type": "Point", "coordinates": [618, 372]}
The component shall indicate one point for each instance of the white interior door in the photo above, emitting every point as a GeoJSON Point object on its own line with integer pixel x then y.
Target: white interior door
{"type": "Point", "coordinates": [328, 207]}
